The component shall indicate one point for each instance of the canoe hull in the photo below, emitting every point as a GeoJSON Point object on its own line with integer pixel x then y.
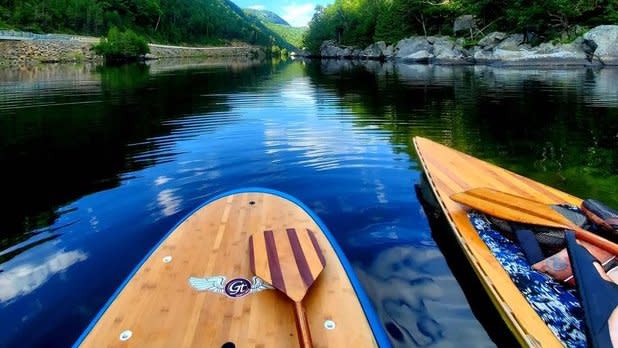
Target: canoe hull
{"type": "Point", "coordinates": [449, 171]}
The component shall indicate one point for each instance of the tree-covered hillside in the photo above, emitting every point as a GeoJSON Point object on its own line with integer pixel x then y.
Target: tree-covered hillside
{"type": "Point", "coordinates": [266, 16]}
{"type": "Point", "coordinates": [292, 35]}
{"type": "Point", "coordinates": [174, 21]}
{"type": "Point", "coordinates": [361, 22]}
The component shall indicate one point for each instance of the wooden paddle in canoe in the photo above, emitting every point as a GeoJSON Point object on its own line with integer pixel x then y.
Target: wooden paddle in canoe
{"type": "Point", "coordinates": [519, 209]}
{"type": "Point", "coordinates": [290, 261]}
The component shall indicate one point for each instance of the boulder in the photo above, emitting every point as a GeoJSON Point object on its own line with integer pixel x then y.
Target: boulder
{"type": "Point", "coordinates": [422, 56]}
{"type": "Point", "coordinates": [464, 23]}
{"type": "Point", "coordinates": [513, 42]}
{"type": "Point", "coordinates": [492, 40]}
{"type": "Point", "coordinates": [605, 38]}
{"type": "Point", "coordinates": [389, 51]}
{"type": "Point", "coordinates": [356, 53]}
{"type": "Point", "coordinates": [329, 49]}
{"type": "Point", "coordinates": [546, 54]}
{"type": "Point", "coordinates": [447, 51]}
{"type": "Point", "coordinates": [410, 46]}
{"type": "Point", "coordinates": [375, 51]}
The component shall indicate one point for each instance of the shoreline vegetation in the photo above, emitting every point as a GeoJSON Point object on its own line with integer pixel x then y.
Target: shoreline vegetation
{"type": "Point", "coordinates": [514, 32]}
{"type": "Point", "coordinates": [596, 47]}
{"type": "Point", "coordinates": [448, 32]}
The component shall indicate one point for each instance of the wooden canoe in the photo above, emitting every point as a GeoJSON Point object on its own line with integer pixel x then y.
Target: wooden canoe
{"type": "Point", "coordinates": [449, 171]}
{"type": "Point", "coordinates": [196, 288]}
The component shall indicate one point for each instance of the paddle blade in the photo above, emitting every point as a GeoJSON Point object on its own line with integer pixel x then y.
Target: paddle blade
{"type": "Point", "coordinates": [289, 260]}
{"type": "Point", "coordinates": [512, 208]}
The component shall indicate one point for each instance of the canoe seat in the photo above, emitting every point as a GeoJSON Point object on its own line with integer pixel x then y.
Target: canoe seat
{"type": "Point", "coordinates": [557, 305]}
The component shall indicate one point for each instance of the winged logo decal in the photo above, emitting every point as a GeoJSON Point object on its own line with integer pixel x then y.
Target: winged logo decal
{"type": "Point", "coordinates": [237, 287]}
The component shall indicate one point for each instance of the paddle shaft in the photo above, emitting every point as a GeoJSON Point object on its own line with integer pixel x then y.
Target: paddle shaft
{"type": "Point", "coordinates": [593, 239]}
{"type": "Point", "coordinates": [302, 326]}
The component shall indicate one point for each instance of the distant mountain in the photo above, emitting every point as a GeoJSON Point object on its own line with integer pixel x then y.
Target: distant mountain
{"type": "Point", "coordinates": [266, 16]}
{"type": "Point", "coordinates": [292, 35]}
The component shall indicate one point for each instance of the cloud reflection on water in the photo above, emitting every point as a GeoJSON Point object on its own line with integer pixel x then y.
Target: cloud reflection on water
{"type": "Point", "coordinates": [24, 278]}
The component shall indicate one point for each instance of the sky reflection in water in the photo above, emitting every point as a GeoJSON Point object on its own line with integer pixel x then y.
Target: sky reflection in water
{"type": "Point", "coordinates": [103, 162]}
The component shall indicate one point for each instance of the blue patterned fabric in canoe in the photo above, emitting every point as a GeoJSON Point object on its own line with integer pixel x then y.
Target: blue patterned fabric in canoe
{"type": "Point", "coordinates": [558, 306]}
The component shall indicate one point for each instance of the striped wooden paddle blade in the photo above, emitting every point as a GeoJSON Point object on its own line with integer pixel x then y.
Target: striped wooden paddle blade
{"type": "Point", "coordinates": [290, 260]}
{"type": "Point", "coordinates": [511, 207]}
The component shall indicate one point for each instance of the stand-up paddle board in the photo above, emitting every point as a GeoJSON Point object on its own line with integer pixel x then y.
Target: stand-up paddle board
{"type": "Point", "coordinates": [198, 287]}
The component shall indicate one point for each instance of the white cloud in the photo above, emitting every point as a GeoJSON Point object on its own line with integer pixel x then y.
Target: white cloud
{"type": "Point", "coordinates": [257, 7]}
{"type": "Point", "coordinates": [298, 15]}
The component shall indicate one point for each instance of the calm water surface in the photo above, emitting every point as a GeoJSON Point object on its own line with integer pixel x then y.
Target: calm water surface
{"type": "Point", "coordinates": [97, 164]}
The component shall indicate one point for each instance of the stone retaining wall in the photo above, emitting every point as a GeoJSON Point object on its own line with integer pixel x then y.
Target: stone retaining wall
{"type": "Point", "coordinates": [161, 51]}
{"type": "Point", "coordinates": [24, 52]}
{"type": "Point", "coordinates": [20, 52]}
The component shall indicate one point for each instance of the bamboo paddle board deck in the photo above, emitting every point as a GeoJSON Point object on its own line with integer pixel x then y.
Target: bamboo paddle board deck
{"type": "Point", "coordinates": [196, 288]}
{"type": "Point", "coordinates": [450, 171]}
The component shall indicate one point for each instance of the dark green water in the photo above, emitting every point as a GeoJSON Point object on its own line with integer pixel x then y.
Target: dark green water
{"type": "Point", "coordinates": [97, 164]}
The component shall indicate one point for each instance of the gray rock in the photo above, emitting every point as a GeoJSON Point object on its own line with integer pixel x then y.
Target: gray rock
{"type": "Point", "coordinates": [375, 51]}
{"type": "Point", "coordinates": [546, 54]}
{"type": "Point", "coordinates": [605, 37]}
{"type": "Point", "coordinates": [492, 40]}
{"type": "Point", "coordinates": [447, 51]}
{"type": "Point", "coordinates": [329, 49]}
{"type": "Point", "coordinates": [422, 56]}
{"type": "Point", "coordinates": [464, 23]}
{"type": "Point", "coordinates": [410, 46]}
{"type": "Point", "coordinates": [513, 42]}
{"type": "Point", "coordinates": [389, 51]}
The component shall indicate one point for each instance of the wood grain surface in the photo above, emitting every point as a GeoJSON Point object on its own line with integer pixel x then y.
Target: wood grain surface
{"type": "Point", "coordinates": [161, 308]}
{"type": "Point", "coordinates": [450, 171]}
{"type": "Point", "coordinates": [511, 207]}
{"type": "Point", "coordinates": [291, 260]}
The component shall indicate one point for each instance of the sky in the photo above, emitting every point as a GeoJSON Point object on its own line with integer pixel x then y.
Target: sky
{"type": "Point", "coordinates": [298, 13]}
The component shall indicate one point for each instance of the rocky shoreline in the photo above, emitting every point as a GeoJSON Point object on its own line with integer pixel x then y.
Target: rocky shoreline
{"type": "Point", "coordinates": [21, 48]}
{"type": "Point", "coordinates": [597, 47]}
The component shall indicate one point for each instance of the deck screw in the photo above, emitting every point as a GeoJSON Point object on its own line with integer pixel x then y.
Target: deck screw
{"type": "Point", "coordinates": [167, 259]}
{"type": "Point", "coordinates": [125, 335]}
{"type": "Point", "coordinates": [329, 325]}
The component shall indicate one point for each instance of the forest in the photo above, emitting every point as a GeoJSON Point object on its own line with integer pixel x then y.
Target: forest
{"type": "Point", "coordinates": [362, 22]}
{"type": "Point", "coordinates": [167, 21]}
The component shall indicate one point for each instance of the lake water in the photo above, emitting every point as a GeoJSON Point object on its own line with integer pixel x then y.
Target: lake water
{"type": "Point", "coordinates": [99, 163]}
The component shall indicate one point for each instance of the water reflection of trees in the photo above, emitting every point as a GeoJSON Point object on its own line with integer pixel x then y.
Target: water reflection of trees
{"type": "Point", "coordinates": [67, 132]}
{"type": "Point", "coordinates": [556, 126]}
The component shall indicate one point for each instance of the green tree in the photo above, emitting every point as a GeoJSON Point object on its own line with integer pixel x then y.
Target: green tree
{"type": "Point", "coordinates": [122, 46]}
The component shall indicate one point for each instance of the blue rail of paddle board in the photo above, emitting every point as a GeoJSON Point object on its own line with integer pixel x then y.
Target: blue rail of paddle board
{"type": "Point", "coordinates": [374, 322]}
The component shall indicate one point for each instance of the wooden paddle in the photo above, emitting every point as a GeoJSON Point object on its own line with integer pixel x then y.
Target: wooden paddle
{"type": "Point", "coordinates": [519, 209]}
{"type": "Point", "coordinates": [290, 261]}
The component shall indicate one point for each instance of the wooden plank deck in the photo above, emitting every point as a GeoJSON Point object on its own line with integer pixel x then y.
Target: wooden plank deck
{"type": "Point", "coordinates": [160, 308]}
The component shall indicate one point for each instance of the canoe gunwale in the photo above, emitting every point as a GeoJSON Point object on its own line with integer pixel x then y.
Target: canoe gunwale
{"type": "Point", "coordinates": [379, 334]}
